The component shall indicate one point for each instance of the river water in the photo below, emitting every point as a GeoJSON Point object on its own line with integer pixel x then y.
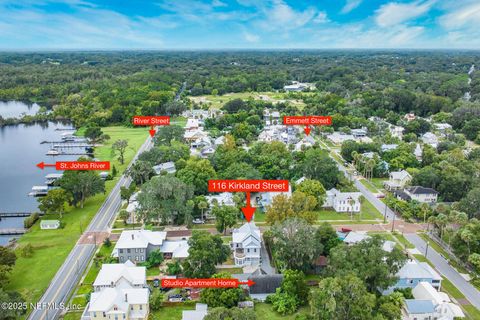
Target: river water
{"type": "Point", "coordinates": [20, 151]}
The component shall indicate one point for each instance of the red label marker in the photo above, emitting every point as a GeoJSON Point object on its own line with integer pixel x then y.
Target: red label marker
{"type": "Point", "coordinates": [151, 121]}
{"type": "Point", "coordinates": [307, 120]}
{"type": "Point", "coordinates": [204, 283]}
{"type": "Point", "coordinates": [77, 165]}
{"type": "Point", "coordinates": [247, 185]}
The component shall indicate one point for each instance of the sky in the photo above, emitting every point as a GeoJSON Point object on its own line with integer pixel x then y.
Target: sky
{"type": "Point", "coordinates": [238, 24]}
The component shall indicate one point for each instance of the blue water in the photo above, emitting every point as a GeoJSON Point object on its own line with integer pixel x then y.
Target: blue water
{"type": "Point", "coordinates": [20, 151]}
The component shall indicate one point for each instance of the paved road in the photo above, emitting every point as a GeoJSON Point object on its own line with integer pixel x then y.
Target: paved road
{"type": "Point", "coordinates": [442, 266]}
{"type": "Point", "coordinates": [74, 266]}
{"type": "Point", "coordinates": [379, 205]}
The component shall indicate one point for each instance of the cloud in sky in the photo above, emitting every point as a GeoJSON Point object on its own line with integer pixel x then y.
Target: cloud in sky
{"type": "Point", "coordinates": [102, 24]}
{"type": "Point", "coordinates": [394, 13]}
{"type": "Point", "coordinates": [350, 5]}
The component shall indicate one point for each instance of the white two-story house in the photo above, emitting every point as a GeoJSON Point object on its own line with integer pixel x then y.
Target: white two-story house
{"type": "Point", "coordinates": [397, 180]}
{"type": "Point", "coordinates": [120, 292]}
{"type": "Point", "coordinates": [246, 245]}
{"type": "Point", "coordinates": [343, 201]}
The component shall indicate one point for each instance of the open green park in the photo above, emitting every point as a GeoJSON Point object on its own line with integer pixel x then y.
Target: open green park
{"type": "Point", "coordinates": [216, 101]}
{"type": "Point", "coordinates": [31, 275]}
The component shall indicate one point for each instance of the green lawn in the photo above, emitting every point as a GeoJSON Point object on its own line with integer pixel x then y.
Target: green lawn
{"type": "Point", "coordinates": [230, 270]}
{"type": "Point", "coordinates": [378, 182]}
{"type": "Point", "coordinates": [264, 312]}
{"type": "Point", "coordinates": [31, 276]}
{"type": "Point", "coordinates": [369, 185]}
{"type": "Point", "coordinates": [368, 212]}
{"type": "Point", "coordinates": [216, 102]}
{"type": "Point", "coordinates": [403, 240]}
{"type": "Point", "coordinates": [384, 235]}
{"type": "Point", "coordinates": [171, 313]}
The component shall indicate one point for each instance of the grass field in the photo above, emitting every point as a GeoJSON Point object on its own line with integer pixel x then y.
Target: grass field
{"type": "Point", "coordinates": [31, 276]}
{"type": "Point", "coordinates": [262, 310]}
{"type": "Point", "coordinates": [369, 185]}
{"type": "Point", "coordinates": [403, 240]}
{"type": "Point", "coordinates": [215, 102]}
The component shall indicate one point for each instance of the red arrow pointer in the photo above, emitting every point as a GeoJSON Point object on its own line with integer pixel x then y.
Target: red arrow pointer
{"type": "Point", "coordinates": [42, 165]}
{"type": "Point", "coordinates": [152, 132]}
{"type": "Point", "coordinates": [248, 283]}
{"type": "Point", "coordinates": [248, 211]}
{"type": "Point", "coordinates": [307, 130]}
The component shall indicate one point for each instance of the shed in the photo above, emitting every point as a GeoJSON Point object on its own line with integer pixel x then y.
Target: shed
{"type": "Point", "coordinates": [49, 224]}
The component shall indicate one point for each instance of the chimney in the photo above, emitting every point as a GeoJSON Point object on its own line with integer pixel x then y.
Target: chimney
{"type": "Point", "coordinates": [126, 297]}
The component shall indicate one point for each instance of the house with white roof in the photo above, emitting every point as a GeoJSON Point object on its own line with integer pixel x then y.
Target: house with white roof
{"type": "Point", "coordinates": [444, 308]}
{"type": "Point", "coordinates": [340, 137]}
{"type": "Point", "coordinates": [418, 152]}
{"type": "Point", "coordinates": [414, 272]}
{"type": "Point", "coordinates": [306, 142]}
{"type": "Point", "coordinates": [116, 303]}
{"type": "Point", "coordinates": [246, 245]}
{"type": "Point", "coordinates": [199, 313]}
{"type": "Point", "coordinates": [343, 201]}
{"type": "Point", "coordinates": [430, 139]}
{"type": "Point", "coordinates": [442, 127]}
{"type": "Point", "coordinates": [136, 245]}
{"type": "Point", "coordinates": [221, 199]}
{"type": "Point", "coordinates": [271, 117]}
{"type": "Point", "coordinates": [396, 131]}
{"type": "Point", "coordinates": [410, 116]}
{"type": "Point", "coordinates": [397, 180]}
{"type": "Point", "coordinates": [120, 275]}
{"type": "Point", "coordinates": [356, 237]}
{"type": "Point", "coordinates": [168, 167]}
{"type": "Point", "coordinates": [388, 147]}
{"type": "Point", "coordinates": [175, 249]}
{"type": "Point", "coordinates": [192, 124]}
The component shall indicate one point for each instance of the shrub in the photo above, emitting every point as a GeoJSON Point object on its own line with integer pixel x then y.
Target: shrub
{"type": "Point", "coordinates": [30, 220]}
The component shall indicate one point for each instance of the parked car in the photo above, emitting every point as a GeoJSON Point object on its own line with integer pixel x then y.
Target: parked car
{"type": "Point", "coordinates": [176, 298]}
{"type": "Point", "coordinates": [198, 221]}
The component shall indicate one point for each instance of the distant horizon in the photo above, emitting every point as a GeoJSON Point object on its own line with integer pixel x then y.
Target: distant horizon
{"type": "Point", "coordinates": [187, 25]}
{"type": "Point", "coordinates": [92, 50]}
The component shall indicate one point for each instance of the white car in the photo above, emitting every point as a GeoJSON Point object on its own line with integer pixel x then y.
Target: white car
{"type": "Point", "coordinates": [198, 221]}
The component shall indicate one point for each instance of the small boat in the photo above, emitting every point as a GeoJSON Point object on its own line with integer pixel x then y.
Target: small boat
{"type": "Point", "coordinates": [53, 152]}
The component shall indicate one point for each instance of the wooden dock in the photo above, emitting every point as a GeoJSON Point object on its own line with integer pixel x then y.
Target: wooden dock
{"type": "Point", "coordinates": [73, 145]}
{"type": "Point", "coordinates": [9, 232]}
{"type": "Point", "coordinates": [78, 141]}
{"type": "Point", "coordinates": [15, 214]}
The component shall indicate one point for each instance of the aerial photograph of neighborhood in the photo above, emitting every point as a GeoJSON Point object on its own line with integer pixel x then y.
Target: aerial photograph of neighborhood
{"type": "Point", "coordinates": [239, 159]}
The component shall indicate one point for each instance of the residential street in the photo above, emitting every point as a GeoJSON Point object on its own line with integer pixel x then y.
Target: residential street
{"type": "Point", "coordinates": [74, 266]}
{"type": "Point", "coordinates": [470, 292]}
{"type": "Point", "coordinates": [442, 266]}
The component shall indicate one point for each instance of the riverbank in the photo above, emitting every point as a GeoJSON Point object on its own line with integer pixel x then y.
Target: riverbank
{"type": "Point", "coordinates": [31, 275]}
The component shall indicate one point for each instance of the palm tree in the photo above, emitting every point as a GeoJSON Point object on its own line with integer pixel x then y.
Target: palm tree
{"type": "Point", "coordinates": [441, 221]}
{"type": "Point", "coordinates": [361, 200]}
{"type": "Point", "coordinates": [202, 205]}
{"type": "Point", "coordinates": [351, 202]}
{"type": "Point", "coordinates": [467, 236]}
{"type": "Point", "coordinates": [370, 165]}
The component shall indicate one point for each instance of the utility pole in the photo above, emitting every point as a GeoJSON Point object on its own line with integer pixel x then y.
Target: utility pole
{"type": "Point", "coordinates": [426, 249]}
{"type": "Point", "coordinates": [394, 215]}
{"type": "Point", "coordinates": [385, 214]}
